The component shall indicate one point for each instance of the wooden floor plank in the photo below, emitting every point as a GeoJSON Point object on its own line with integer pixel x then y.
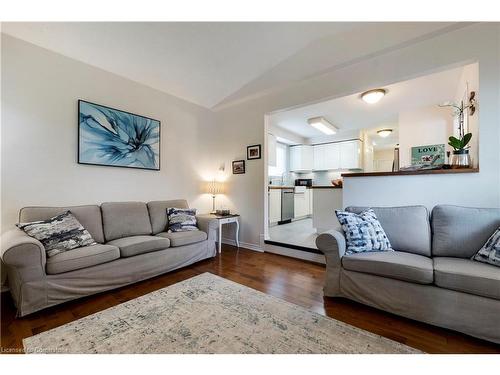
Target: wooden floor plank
{"type": "Point", "coordinates": [290, 279]}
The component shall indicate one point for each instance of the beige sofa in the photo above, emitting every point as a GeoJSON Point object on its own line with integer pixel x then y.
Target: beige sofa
{"type": "Point", "coordinates": [430, 277]}
{"type": "Point", "coordinates": [133, 245]}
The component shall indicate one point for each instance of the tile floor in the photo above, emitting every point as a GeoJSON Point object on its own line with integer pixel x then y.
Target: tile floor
{"type": "Point", "coordinates": [300, 232]}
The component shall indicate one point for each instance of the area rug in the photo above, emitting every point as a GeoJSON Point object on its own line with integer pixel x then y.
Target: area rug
{"type": "Point", "coordinates": [209, 314]}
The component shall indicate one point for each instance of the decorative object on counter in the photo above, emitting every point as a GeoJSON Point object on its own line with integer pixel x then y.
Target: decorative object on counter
{"type": "Point", "coordinates": [253, 152]}
{"type": "Point", "coordinates": [239, 167]}
{"type": "Point", "coordinates": [428, 155]}
{"type": "Point", "coordinates": [214, 187]}
{"type": "Point", "coordinates": [115, 138]}
{"type": "Point", "coordinates": [395, 163]}
{"type": "Point", "coordinates": [223, 212]}
{"type": "Point", "coordinates": [337, 182]}
{"type": "Point", "coordinates": [461, 157]}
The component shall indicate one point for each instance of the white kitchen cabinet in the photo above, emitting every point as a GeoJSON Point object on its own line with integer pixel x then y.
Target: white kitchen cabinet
{"type": "Point", "coordinates": [274, 205]}
{"type": "Point", "coordinates": [301, 158]}
{"type": "Point", "coordinates": [319, 156]}
{"type": "Point", "coordinates": [332, 156]}
{"type": "Point", "coordinates": [311, 192]}
{"type": "Point", "coordinates": [338, 155]}
{"type": "Point", "coordinates": [350, 155]}
{"type": "Point", "coordinates": [302, 204]}
{"type": "Point", "coordinates": [271, 150]}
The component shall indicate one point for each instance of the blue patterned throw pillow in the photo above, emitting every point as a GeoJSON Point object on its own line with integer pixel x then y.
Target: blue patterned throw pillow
{"type": "Point", "coordinates": [490, 252]}
{"type": "Point", "coordinates": [181, 219]}
{"type": "Point", "coordinates": [363, 232]}
{"type": "Point", "coordinates": [59, 233]}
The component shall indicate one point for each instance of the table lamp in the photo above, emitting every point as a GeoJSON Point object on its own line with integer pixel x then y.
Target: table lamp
{"type": "Point", "coordinates": [214, 188]}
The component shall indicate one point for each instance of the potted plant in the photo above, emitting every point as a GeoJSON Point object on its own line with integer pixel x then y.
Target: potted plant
{"type": "Point", "coordinates": [461, 157]}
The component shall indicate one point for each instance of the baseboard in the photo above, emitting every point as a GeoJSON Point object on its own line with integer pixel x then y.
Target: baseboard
{"type": "Point", "coordinates": [246, 245]}
{"type": "Point", "coordinates": [280, 250]}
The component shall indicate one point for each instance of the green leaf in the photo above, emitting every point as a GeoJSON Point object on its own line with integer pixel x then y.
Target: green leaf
{"type": "Point", "coordinates": [466, 139]}
{"type": "Point", "coordinates": [455, 143]}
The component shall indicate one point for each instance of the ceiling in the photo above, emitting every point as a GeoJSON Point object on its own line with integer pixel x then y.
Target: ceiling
{"type": "Point", "coordinates": [351, 113]}
{"type": "Point", "coordinates": [216, 63]}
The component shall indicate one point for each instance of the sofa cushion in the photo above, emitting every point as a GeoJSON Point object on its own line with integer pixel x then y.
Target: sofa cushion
{"type": "Point", "coordinates": [465, 275]}
{"type": "Point", "coordinates": [82, 257]}
{"type": "Point", "coordinates": [125, 219]}
{"type": "Point", "coordinates": [363, 232]}
{"type": "Point", "coordinates": [490, 252]}
{"type": "Point", "coordinates": [393, 264]}
{"type": "Point", "coordinates": [184, 238]}
{"type": "Point", "coordinates": [135, 245]}
{"type": "Point", "coordinates": [88, 216]}
{"type": "Point", "coordinates": [462, 231]}
{"type": "Point", "coordinates": [158, 213]}
{"type": "Point", "coordinates": [407, 228]}
{"type": "Point", "coordinates": [58, 234]}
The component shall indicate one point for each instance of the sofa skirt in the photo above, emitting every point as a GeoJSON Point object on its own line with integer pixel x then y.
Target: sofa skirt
{"type": "Point", "coordinates": [467, 313]}
{"type": "Point", "coordinates": [34, 295]}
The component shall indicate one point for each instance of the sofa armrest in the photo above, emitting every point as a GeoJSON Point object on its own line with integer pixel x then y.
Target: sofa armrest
{"type": "Point", "coordinates": [23, 253]}
{"type": "Point", "coordinates": [209, 225]}
{"type": "Point", "coordinates": [332, 243]}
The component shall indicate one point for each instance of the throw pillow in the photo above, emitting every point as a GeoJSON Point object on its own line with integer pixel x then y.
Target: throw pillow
{"type": "Point", "coordinates": [363, 232]}
{"type": "Point", "coordinates": [490, 252]}
{"type": "Point", "coordinates": [181, 219]}
{"type": "Point", "coordinates": [58, 234]}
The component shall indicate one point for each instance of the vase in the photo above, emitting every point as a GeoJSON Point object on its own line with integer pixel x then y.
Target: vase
{"type": "Point", "coordinates": [460, 159]}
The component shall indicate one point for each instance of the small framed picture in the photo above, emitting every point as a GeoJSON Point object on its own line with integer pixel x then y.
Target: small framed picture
{"type": "Point", "coordinates": [238, 166]}
{"type": "Point", "coordinates": [253, 152]}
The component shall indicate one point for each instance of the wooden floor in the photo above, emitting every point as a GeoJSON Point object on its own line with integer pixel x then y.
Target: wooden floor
{"type": "Point", "coordinates": [291, 279]}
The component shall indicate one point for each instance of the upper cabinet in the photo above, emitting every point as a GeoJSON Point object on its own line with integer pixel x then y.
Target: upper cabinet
{"type": "Point", "coordinates": [301, 158]}
{"type": "Point", "coordinates": [271, 147]}
{"type": "Point", "coordinates": [350, 155]}
{"type": "Point", "coordinates": [339, 155]}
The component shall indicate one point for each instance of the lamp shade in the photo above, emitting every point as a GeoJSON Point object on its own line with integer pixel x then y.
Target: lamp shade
{"type": "Point", "coordinates": [214, 187]}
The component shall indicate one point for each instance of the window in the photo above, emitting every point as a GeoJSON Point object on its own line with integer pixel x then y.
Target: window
{"type": "Point", "coordinates": [281, 160]}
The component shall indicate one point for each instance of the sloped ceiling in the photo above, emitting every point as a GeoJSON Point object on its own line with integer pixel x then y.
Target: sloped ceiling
{"type": "Point", "coordinates": [214, 64]}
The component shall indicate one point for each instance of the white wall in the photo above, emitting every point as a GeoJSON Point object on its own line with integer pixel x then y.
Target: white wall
{"type": "Point", "coordinates": [243, 124]}
{"type": "Point", "coordinates": [40, 90]}
{"type": "Point", "coordinates": [421, 127]}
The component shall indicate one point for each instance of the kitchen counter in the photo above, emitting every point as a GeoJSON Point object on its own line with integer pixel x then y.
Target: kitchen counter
{"type": "Point", "coordinates": [309, 187]}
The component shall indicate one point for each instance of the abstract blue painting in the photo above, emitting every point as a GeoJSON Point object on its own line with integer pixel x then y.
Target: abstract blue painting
{"type": "Point", "coordinates": [111, 137]}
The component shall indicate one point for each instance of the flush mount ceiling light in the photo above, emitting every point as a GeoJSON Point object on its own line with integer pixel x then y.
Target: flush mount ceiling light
{"type": "Point", "coordinates": [384, 132]}
{"type": "Point", "coordinates": [322, 125]}
{"type": "Point", "coordinates": [373, 96]}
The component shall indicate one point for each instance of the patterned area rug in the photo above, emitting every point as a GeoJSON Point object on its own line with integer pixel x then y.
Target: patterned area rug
{"type": "Point", "coordinates": [209, 314]}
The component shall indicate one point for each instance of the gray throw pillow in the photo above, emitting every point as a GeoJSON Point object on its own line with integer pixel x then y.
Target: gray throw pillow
{"type": "Point", "coordinates": [363, 232]}
{"type": "Point", "coordinates": [181, 219]}
{"type": "Point", "coordinates": [490, 252]}
{"type": "Point", "coordinates": [59, 233]}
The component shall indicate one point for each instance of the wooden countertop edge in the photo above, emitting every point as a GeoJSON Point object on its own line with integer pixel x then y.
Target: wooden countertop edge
{"type": "Point", "coordinates": [308, 187]}
{"type": "Point", "coordinates": [412, 173]}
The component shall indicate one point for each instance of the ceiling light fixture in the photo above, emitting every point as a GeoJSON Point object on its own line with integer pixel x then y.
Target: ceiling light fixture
{"type": "Point", "coordinates": [384, 132]}
{"type": "Point", "coordinates": [322, 125]}
{"type": "Point", "coordinates": [373, 96]}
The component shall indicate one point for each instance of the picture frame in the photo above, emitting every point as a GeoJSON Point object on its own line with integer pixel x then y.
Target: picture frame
{"type": "Point", "coordinates": [254, 152]}
{"type": "Point", "coordinates": [105, 135]}
{"type": "Point", "coordinates": [239, 167]}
